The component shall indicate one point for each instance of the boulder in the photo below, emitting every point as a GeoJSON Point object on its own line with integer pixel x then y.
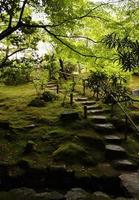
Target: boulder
{"type": "Point", "coordinates": [49, 196]}
{"type": "Point", "coordinates": [130, 181]}
{"type": "Point", "coordinates": [22, 193]}
{"type": "Point", "coordinates": [37, 102]}
{"type": "Point", "coordinates": [77, 194]}
{"type": "Point", "coordinates": [101, 195]}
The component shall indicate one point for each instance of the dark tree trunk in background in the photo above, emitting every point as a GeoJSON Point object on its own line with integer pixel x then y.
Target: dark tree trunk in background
{"type": "Point", "coordinates": [62, 73]}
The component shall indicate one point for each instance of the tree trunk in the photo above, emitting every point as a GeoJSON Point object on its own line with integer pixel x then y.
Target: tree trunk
{"type": "Point", "coordinates": [62, 73]}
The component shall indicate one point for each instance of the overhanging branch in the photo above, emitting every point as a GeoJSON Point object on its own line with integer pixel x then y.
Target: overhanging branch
{"type": "Point", "coordinates": [73, 49]}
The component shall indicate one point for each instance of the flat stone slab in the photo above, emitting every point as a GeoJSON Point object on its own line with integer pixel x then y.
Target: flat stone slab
{"type": "Point", "coordinates": [130, 181]}
{"type": "Point", "coordinates": [86, 103]}
{"type": "Point", "coordinates": [124, 165]}
{"type": "Point", "coordinates": [98, 118]}
{"type": "Point", "coordinates": [97, 111]}
{"type": "Point", "coordinates": [51, 85]}
{"type": "Point", "coordinates": [92, 107]}
{"type": "Point", "coordinates": [104, 127]}
{"type": "Point", "coordinates": [113, 147]}
{"type": "Point", "coordinates": [81, 99]}
{"type": "Point", "coordinates": [113, 139]}
{"type": "Point", "coordinates": [115, 151]}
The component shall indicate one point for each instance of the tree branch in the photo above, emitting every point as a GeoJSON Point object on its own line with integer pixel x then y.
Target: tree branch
{"type": "Point", "coordinates": [78, 37]}
{"type": "Point", "coordinates": [74, 50]}
{"type": "Point", "coordinates": [7, 56]}
{"type": "Point", "coordinates": [22, 10]}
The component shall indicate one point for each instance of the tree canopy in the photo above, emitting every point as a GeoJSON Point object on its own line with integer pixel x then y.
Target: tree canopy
{"type": "Point", "coordinates": [106, 31]}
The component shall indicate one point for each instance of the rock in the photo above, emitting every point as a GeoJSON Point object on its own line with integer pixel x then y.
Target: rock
{"type": "Point", "coordinates": [130, 181]}
{"type": "Point", "coordinates": [124, 165]}
{"type": "Point", "coordinates": [98, 118]}
{"type": "Point", "coordinates": [77, 194]}
{"type": "Point", "coordinates": [113, 139]}
{"type": "Point", "coordinates": [97, 111]}
{"type": "Point", "coordinates": [122, 198]}
{"type": "Point", "coordinates": [49, 196]}
{"type": "Point", "coordinates": [115, 152]}
{"type": "Point", "coordinates": [22, 193]}
{"type": "Point", "coordinates": [101, 195]}
{"type": "Point", "coordinates": [86, 103]}
{"type": "Point", "coordinates": [93, 107]}
{"type": "Point", "coordinates": [81, 99]}
{"type": "Point", "coordinates": [48, 96]}
{"type": "Point", "coordinates": [69, 115]}
{"type": "Point", "coordinates": [37, 102]}
{"type": "Point", "coordinates": [30, 147]}
{"type": "Point", "coordinates": [104, 127]}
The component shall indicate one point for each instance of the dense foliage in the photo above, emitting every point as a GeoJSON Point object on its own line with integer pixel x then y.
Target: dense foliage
{"type": "Point", "coordinates": [90, 33]}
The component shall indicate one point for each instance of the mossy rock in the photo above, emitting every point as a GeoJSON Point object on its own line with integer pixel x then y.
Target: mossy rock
{"type": "Point", "coordinates": [72, 153]}
{"type": "Point", "coordinates": [19, 193]}
{"type": "Point", "coordinates": [48, 96]}
{"type": "Point", "coordinates": [37, 102]}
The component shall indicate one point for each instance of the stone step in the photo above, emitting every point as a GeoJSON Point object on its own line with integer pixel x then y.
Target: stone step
{"type": "Point", "coordinates": [104, 127]}
{"type": "Point", "coordinates": [93, 107]}
{"type": "Point", "coordinates": [114, 139]}
{"type": "Point", "coordinates": [97, 111]}
{"type": "Point", "coordinates": [87, 103]}
{"type": "Point", "coordinates": [124, 165]}
{"type": "Point", "coordinates": [114, 152]}
{"type": "Point", "coordinates": [98, 118]}
{"type": "Point", "coordinates": [81, 99]}
{"type": "Point", "coordinates": [51, 85]}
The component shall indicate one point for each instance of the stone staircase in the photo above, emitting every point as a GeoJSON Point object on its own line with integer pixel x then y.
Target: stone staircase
{"type": "Point", "coordinates": [114, 152]}
{"type": "Point", "coordinates": [51, 86]}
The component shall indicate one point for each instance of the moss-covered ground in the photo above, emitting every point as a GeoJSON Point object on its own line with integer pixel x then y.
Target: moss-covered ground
{"type": "Point", "coordinates": [74, 144]}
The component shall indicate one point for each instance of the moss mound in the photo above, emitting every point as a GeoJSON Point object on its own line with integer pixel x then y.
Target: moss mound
{"type": "Point", "coordinates": [72, 153]}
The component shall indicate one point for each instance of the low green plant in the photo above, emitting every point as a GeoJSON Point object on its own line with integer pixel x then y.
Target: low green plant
{"type": "Point", "coordinates": [17, 72]}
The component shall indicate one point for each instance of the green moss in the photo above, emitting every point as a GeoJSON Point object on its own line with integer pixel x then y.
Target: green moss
{"type": "Point", "coordinates": [71, 153]}
{"type": "Point", "coordinates": [132, 147]}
